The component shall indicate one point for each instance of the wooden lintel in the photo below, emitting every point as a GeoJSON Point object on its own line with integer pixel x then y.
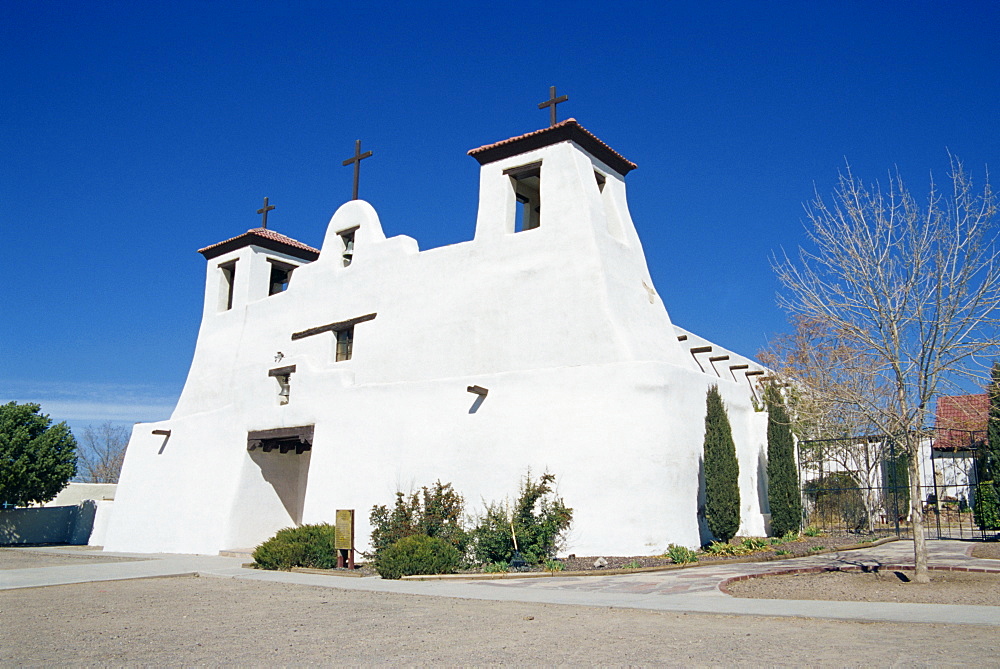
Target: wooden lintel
{"type": "Point", "coordinates": [478, 390]}
{"type": "Point", "coordinates": [735, 367]}
{"type": "Point", "coordinates": [523, 170]}
{"type": "Point", "coordinates": [162, 433]}
{"type": "Point", "coordinates": [701, 349]}
{"type": "Point", "coordinates": [682, 337]}
{"type": "Point", "coordinates": [718, 358]}
{"type": "Point", "coordinates": [332, 327]}
{"type": "Point", "coordinates": [281, 371]}
{"type": "Point", "coordinates": [303, 433]}
{"type": "Point", "coordinates": [756, 372]}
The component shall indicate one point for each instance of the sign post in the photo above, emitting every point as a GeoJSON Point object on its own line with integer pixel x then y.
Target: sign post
{"type": "Point", "coordinates": [343, 541]}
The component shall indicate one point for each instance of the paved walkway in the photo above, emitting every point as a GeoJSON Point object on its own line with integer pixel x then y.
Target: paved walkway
{"type": "Point", "coordinates": [694, 590]}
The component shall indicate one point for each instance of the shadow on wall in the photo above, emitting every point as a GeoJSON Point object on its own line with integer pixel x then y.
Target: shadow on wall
{"type": "Point", "coordinates": [48, 525]}
{"type": "Point", "coordinates": [763, 500]}
{"type": "Point", "coordinates": [288, 474]}
{"type": "Point", "coordinates": [704, 534]}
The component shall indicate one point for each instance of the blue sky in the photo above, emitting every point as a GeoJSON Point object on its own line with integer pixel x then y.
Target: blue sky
{"type": "Point", "coordinates": [135, 133]}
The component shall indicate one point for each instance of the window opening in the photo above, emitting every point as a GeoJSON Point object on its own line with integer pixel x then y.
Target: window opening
{"type": "Point", "coordinates": [281, 276]}
{"type": "Point", "coordinates": [343, 335]}
{"type": "Point", "coordinates": [611, 217]}
{"type": "Point", "coordinates": [345, 343]}
{"type": "Point", "coordinates": [526, 181]}
{"type": "Point", "coordinates": [228, 271]}
{"type": "Point", "coordinates": [347, 239]}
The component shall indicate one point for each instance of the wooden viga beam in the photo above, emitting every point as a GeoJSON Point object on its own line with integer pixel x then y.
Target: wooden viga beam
{"type": "Point", "coordinates": [695, 350]}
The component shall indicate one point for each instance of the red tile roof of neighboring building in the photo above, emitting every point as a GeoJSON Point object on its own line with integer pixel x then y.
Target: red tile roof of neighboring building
{"type": "Point", "coordinates": [564, 130]}
{"type": "Point", "coordinates": [268, 239]}
{"type": "Point", "coordinates": [961, 421]}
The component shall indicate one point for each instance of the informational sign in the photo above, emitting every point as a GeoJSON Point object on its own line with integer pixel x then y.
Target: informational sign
{"type": "Point", "coordinates": [344, 530]}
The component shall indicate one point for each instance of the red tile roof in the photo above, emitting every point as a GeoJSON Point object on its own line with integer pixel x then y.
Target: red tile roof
{"type": "Point", "coordinates": [268, 239]}
{"type": "Point", "coordinates": [560, 132]}
{"type": "Point", "coordinates": [960, 421]}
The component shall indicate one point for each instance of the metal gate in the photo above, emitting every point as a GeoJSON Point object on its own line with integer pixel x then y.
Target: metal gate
{"type": "Point", "coordinates": [861, 485]}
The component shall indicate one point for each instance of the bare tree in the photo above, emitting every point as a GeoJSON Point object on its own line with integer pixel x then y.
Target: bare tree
{"type": "Point", "coordinates": [102, 453]}
{"type": "Point", "coordinates": [818, 369]}
{"type": "Point", "coordinates": [913, 289]}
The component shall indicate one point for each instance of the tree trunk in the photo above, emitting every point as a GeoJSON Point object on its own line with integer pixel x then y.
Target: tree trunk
{"type": "Point", "coordinates": [921, 573]}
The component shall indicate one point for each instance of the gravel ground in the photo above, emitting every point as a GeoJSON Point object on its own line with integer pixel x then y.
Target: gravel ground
{"type": "Point", "coordinates": [191, 621]}
{"type": "Point", "coordinates": [892, 586]}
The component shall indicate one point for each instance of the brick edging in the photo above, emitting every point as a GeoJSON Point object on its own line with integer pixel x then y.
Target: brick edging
{"type": "Point", "coordinates": [723, 586]}
{"type": "Point", "coordinates": [749, 559]}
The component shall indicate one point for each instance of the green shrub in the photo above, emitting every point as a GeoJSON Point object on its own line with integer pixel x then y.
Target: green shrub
{"type": "Point", "coordinates": [754, 544]}
{"type": "Point", "coordinates": [782, 551]}
{"type": "Point", "coordinates": [681, 554]}
{"type": "Point", "coordinates": [783, 494]}
{"type": "Point", "coordinates": [812, 531]}
{"type": "Point", "coordinates": [418, 554]}
{"type": "Point", "coordinates": [437, 511]}
{"type": "Point", "coordinates": [837, 498]}
{"type": "Point", "coordinates": [539, 518]}
{"type": "Point", "coordinates": [816, 549]}
{"type": "Point", "coordinates": [896, 486]}
{"type": "Point", "coordinates": [305, 546]}
{"type": "Point", "coordinates": [634, 564]}
{"type": "Point", "coordinates": [554, 565]}
{"type": "Point", "coordinates": [987, 506]}
{"type": "Point", "coordinates": [725, 548]}
{"type": "Point", "coordinates": [496, 568]}
{"type": "Point", "coordinates": [722, 470]}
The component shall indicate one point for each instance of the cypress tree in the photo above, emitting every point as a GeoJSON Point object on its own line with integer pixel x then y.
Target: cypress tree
{"type": "Point", "coordinates": [722, 470]}
{"type": "Point", "coordinates": [986, 505]}
{"type": "Point", "coordinates": [990, 460]}
{"type": "Point", "coordinates": [782, 477]}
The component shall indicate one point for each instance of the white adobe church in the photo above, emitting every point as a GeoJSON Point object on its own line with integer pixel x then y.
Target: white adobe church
{"type": "Point", "coordinates": [328, 379]}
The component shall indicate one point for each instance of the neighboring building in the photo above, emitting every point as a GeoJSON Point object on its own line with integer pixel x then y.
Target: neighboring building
{"type": "Point", "coordinates": [960, 431]}
{"type": "Point", "coordinates": [327, 380]}
{"type": "Point", "coordinates": [74, 493]}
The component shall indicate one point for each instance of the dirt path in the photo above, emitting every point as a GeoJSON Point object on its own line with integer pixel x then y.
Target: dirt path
{"type": "Point", "coordinates": [27, 559]}
{"type": "Point", "coordinates": [989, 550]}
{"type": "Point", "coordinates": [216, 621]}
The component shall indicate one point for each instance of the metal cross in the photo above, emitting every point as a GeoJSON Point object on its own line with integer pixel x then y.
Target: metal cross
{"type": "Point", "coordinates": [263, 211]}
{"type": "Point", "coordinates": [551, 103]}
{"type": "Point", "coordinates": [356, 159]}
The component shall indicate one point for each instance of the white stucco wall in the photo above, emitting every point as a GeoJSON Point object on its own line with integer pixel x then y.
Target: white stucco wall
{"type": "Point", "coordinates": [586, 376]}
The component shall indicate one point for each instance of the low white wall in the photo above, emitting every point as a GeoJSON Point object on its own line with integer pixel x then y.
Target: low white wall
{"type": "Point", "coordinates": [82, 524]}
{"type": "Point", "coordinates": [36, 526]}
{"type": "Point", "coordinates": [74, 493]}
